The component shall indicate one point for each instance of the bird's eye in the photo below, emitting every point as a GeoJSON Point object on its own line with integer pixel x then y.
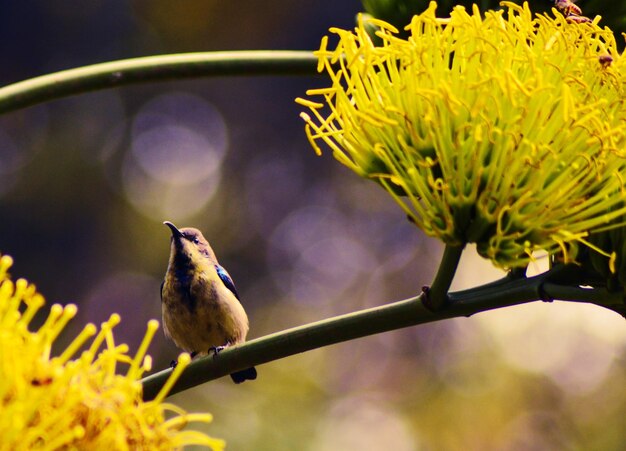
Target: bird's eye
{"type": "Point", "coordinates": [196, 240]}
{"type": "Point", "coordinates": [190, 237]}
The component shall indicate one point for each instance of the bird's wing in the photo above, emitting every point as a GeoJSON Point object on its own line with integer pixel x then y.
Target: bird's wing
{"type": "Point", "coordinates": [228, 282]}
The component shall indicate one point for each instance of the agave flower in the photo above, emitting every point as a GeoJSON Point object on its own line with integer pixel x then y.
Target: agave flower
{"type": "Point", "coordinates": [79, 402]}
{"type": "Point", "coordinates": [506, 129]}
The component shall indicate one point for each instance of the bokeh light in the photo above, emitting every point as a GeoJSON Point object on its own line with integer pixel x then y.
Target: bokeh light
{"type": "Point", "coordinates": [179, 139]}
{"type": "Point", "coordinates": [17, 149]}
{"type": "Point", "coordinates": [575, 345]}
{"type": "Point", "coordinates": [178, 143]}
{"type": "Point", "coordinates": [134, 296]}
{"type": "Point", "coordinates": [322, 258]}
{"type": "Point", "coordinates": [363, 422]}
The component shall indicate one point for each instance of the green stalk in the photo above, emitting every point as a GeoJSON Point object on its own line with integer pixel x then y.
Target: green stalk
{"type": "Point", "coordinates": [114, 74]}
{"type": "Point", "coordinates": [410, 312]}
{"type": "Point", "coordinates": [436, 295]}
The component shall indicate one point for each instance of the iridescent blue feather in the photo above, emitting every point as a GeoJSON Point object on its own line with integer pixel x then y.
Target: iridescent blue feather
{"type": "Point", "coordinates": [228, 282]}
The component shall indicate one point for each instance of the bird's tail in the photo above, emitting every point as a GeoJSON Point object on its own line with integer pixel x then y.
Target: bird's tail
{"type": "Point", "coordinates": [244, 375]}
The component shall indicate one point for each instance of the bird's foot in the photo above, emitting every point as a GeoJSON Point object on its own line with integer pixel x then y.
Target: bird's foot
{"type": "Point", "coordinates": [216, 350]}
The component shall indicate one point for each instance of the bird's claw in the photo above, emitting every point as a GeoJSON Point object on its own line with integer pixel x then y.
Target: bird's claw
{"type": "Point", "coordinates": [216, 350]}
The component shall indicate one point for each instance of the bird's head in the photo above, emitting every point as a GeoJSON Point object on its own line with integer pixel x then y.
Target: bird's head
{"type": "Point", "coordinates": [190, 241]}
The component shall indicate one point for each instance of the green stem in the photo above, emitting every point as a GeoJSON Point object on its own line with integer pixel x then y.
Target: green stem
{"type": "Point", "coordinates": [613, 300]}
{"type": "Point", "coordinates": [397, 315]}
{"type": "Point", "coordinates": [293, 341]}
{"type": "Point", "coordinates": [154, 68]}
{"type": "Point", "coordinates": [437, 293]}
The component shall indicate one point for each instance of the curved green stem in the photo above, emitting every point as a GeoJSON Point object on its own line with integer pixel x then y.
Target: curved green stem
{"type": "Point", "coordinates": [410, 312]}
{"type": "Point", "coordinates": [437, 293]}
{"type": "Point", "coordinates": [293, 341]}
{"type": "Point", "coordinates": [154, 68]}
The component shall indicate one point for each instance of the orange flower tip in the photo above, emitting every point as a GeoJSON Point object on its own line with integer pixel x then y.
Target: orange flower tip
{"type": "Point", "coordinates": [70, 310]}
{"type": "Point", "coordinates": [605, 60]}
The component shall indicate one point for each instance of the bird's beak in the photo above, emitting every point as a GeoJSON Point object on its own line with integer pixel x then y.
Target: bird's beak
{"type": "Point", "coordinates": [175, 232]}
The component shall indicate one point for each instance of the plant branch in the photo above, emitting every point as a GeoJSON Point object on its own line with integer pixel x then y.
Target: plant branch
{"type": "Point", "coordinates": [503, 293]}
{"type": "Point", "coordinates": [154, 68]}
{"type": "Point", "coordinates": [436, 295]}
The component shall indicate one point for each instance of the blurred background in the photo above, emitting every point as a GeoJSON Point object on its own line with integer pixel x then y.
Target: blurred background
{"type": "Point", "coordinates": [86, 182]}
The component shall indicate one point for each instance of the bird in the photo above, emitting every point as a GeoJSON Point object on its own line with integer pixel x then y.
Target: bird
{"type": "Point", "coordinates": [199, 302]}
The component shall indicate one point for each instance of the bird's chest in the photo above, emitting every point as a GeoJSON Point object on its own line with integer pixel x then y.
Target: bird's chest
{"type": "Point", "coordinates": [193, 315]}
{"type": "Point", "coordinates": [188, 290]}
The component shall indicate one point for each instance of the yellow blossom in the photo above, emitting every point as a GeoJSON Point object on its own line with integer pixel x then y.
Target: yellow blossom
{"type": "Point", "coordinates": [79, 401]}
{"type": "Point", "coordinates": [504, 129]}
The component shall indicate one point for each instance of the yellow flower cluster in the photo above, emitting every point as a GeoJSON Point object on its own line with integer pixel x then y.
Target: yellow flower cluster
{"type": "Point", "coordinates": [506, 129]}
{"type": "Point", "coordinates": [79, 402]}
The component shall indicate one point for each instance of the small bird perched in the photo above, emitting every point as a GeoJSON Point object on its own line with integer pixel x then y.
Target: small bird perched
{"type": "Point", "coordinates": [199, 302]}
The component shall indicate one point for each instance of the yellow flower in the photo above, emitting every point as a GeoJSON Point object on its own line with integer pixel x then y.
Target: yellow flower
{"type": "Point", "coordinates": [82, 403]}
{"type": "Point", "coordinates": [507, 130]}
